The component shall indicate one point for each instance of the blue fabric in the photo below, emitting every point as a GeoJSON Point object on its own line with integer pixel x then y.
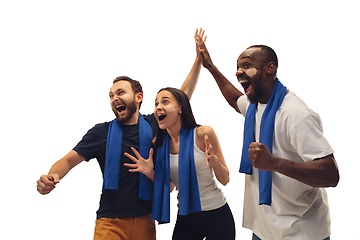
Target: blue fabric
{"type": "Point", "coordinates": [113, 156]}
{"type": "Point", "coordinates": [189, 197]}
{"type": "Point", "coordinates": [266, 137]}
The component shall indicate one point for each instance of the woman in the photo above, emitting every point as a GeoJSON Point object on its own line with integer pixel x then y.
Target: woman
{"type": "Point", "coordinates": [188, 154]}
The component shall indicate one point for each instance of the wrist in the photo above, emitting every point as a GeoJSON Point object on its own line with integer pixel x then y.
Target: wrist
{"type": "Point", "coordinates": [211, 67]}
{"type": "Point", "coordinates": [151, 175]}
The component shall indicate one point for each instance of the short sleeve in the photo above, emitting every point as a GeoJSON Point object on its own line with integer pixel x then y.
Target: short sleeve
{"type": "Point", "coordinates": [308, 140]}
{"type": "Point", "coordinates": [243, 103]}
{"type": "Point", "coordinates": [93, 144]}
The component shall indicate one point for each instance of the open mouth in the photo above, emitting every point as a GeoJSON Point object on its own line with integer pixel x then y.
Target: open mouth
{"type": "Point", "coordinates": [120, 108]}
{"type": "Point", "coordinates": [246, 84]}
{"type": "Point", "coordinates": [161, 117]}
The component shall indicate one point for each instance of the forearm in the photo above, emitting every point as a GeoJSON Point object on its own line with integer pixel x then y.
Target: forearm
{"type": "Point", "coordinates": [228, 90]}
{"type": "Point", "coordinates": [191, 81]}
{"type": "Point", "coordinates": [317, 173]}
{"type": "Point", "coordinates": [64, 165]}
{"type": "Point", "coordinates": [61, 168]}
{"type": "Point", "coordinates": [221, 172]}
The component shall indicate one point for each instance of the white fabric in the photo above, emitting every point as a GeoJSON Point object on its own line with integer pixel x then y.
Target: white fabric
{"type": "Point", "coordinates": [211, 196]}
{"type": "Point", "coordinates": [298, 211]}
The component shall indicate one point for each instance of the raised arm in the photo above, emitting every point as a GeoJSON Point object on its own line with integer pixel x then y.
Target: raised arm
{"type": "Point", "coordinates": [190, 82]}
{"type": "Point", "coordinates": [228, 90]}
{"type": "Point", "coordinates": [47, 183]}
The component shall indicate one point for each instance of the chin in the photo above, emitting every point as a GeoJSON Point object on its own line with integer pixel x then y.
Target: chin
{"type": "Point", "coordinates": [253, 99]}
{"type": "Point", "coordinates": [123, 119]}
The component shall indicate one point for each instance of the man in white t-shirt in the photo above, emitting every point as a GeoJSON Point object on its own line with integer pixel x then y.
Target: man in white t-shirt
{"type": "Point", "coordinates": [301, 163]}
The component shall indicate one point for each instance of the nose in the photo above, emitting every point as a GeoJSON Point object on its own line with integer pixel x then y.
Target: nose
{"type": "Point", "coordinates": [239, 72]}
{"type": "Point", "coordinates": [158, 106]}
{"type": "Point", "coordinates": [115, 98]}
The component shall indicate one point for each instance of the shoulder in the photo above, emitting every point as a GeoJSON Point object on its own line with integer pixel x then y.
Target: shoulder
{"type": "Point", "coordinates": [150, 118]}
{"type": "Point", "coordinates": [203, 131]}
{"type": "Point", "coordinates": [102, 125]}
{"type": "Point", "coordinates": [294, 111]}
{"type": "Point", "coordinates": [99, 128]}
{"type": "Point", "coordinates": [242, 103]}
{"type": "Point", "coordinates": [294, 105]}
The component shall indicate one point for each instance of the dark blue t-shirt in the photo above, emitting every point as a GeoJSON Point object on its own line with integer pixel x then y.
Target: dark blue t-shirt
{"type": "Point", "coordinates": [124, 202]}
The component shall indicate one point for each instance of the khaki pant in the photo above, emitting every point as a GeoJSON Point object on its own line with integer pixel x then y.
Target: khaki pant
{"type": "Point", "coordinates": [132, 228]}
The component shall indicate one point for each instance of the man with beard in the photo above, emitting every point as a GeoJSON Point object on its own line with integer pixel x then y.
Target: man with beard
{"type": "Point", "coordinates": [287, 160]}
{"type": "Point", "coordinates": [124, 211]}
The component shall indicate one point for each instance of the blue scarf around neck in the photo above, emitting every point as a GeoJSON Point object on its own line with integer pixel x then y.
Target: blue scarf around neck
{"type": "Point", "coordinates": [113, 156]}
{"type": "Point", "coordinates": [266, 137]}
{"type": "Point", "coordinates": [189, 197]}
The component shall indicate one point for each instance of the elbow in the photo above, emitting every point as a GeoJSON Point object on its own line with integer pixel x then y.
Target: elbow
{"type": "Point", "coordinates": [225, 181]}
{"type": "Point", "coordinates": [335, 176]}
{"type": "Point", "coordinates": [335, 179]}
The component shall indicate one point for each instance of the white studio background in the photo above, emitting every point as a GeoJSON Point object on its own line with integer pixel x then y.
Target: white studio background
{"type": "Point", "coordinates": [58, 60]}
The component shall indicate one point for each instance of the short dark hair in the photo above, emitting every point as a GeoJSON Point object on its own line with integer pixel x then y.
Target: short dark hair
{"type": "Point", "coordinates": [270, 54]}
{"type": "Point", "coordinates": [135, 85]}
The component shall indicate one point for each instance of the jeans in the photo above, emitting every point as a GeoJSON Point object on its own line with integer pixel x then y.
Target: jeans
{"type": "Point", "coordinates": [254, 237]}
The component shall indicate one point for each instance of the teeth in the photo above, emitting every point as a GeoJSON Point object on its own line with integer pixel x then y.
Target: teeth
{"type": "Point", "coordinates": [243, 80]}
{"type": "Point", "coordinates": [120, 107]}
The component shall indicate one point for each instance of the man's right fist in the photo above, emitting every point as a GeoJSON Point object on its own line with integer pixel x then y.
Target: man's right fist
{"type": "Point", "coordinates": [47, 183]}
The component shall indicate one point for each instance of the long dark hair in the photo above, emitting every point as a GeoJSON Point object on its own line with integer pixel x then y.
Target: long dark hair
{"type": "Point", "coordinates": [187, 116]}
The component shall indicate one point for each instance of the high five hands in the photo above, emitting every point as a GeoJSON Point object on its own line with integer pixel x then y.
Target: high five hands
{"type": "Point", "coordinates": [201, 48]}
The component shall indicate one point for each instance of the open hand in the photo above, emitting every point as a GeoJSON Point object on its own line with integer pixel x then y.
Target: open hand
{"type": "Point", "coordinates": [145, 166]}
{"type": "Point", "coordinates": [199, 35]}
{"type": "Point", "coordinates": [210, 157]}
{"type": "Point", "coordinates": [202, 51]}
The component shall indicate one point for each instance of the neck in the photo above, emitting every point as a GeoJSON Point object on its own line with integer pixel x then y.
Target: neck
{"type": "Point", "coordinates": [174, 132]}
{"type": "Point", "coordinates": [267, 93]}
{"type": "Point", "coordinates": [133, 120]}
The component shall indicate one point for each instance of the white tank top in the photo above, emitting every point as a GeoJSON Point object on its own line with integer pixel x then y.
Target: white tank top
{"type": "Point", "coordinates": [211, 196]}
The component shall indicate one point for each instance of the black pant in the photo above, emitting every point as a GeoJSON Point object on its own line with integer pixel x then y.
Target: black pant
{"type": "Point", "coordinates": [214, 225]}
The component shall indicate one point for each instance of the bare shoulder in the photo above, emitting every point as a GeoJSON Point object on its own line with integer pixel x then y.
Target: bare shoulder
{"type": "Point", "coordinates": [201, 132]}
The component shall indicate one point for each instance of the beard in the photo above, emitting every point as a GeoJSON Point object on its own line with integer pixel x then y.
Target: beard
{"type": "Point", "coordinates": [131, 108]}
{"type": "Point", "coordinates": [258, 91]}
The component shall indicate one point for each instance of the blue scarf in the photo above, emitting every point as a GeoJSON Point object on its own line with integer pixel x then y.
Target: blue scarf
{"type": "Point", "coordinates": [189, 197]}
{"type": "Point", "coordinates": [266, 137]}
{"type": "Point", "coordinates": [113, 152]}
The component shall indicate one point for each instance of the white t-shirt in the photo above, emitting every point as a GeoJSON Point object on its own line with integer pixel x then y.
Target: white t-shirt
{"type": "Point", "coordinates": [211, 196]}
{"type": "Point", "coordinates": [298, 211]}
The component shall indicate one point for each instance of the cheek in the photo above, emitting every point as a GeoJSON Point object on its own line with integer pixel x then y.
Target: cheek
{"type": "Point", "coordinates": [126, 98]}
{"type": "Point", "coordinates": [251, 72]}
{"type": "Point", "coordinates": [169, 108]}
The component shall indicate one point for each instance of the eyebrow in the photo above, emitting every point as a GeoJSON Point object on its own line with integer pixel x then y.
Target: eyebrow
{"type": "Point", "coordinates": [245, 57]}
{"type": "Point", "coordinates": [162, 98]}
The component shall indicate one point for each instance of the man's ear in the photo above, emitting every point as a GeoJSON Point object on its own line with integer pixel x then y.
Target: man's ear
{"type": "Point", "coordinates": [139, 97]}
{"type": "Point", "coordinates": [270, 68]}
